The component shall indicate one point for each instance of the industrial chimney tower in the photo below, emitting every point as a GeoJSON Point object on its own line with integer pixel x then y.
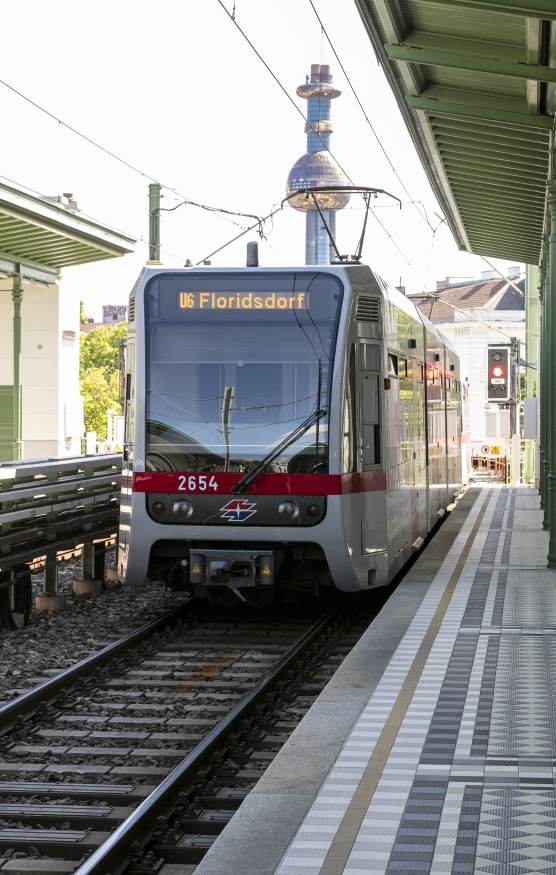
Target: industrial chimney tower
{"type": "Point", "coordinates": [317, 168]}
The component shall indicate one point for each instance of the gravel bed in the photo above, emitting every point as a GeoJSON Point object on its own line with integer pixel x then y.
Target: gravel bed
{"type": "Point", "coordinates": [52, 642]}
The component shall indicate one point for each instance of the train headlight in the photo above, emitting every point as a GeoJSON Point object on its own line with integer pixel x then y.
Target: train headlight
{"type": "Point", "coordinates": [289, 510]}
{"type": "Point", "coordinates": [183, 509]}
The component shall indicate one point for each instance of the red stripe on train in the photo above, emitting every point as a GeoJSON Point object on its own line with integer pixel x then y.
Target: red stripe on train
{"type": "Point", "coordinates": [267, 484]}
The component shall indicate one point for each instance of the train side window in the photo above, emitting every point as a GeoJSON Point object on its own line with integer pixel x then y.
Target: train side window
{"type": "Point", "coordinates": [350, 417]}
{"type": "Point", "coordinates": [402, 369]}
{"type": "Point", "coordinates": [370, 405]}
{"type": "Point", "coordinates": [392, 365]}
{"type": "Point", "coordinates": [370, 357]}
{"type": "Point", "coordinates": [421, 372]}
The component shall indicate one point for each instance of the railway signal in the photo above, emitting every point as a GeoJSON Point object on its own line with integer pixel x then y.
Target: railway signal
{"type": "Point", "coordinates": [498, 373]}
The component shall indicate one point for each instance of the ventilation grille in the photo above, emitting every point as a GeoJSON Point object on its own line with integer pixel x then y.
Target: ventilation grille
{"type": "Point", "coordinates": [367, 309]}
{"type": "Point", "coordinates": [131, 311]}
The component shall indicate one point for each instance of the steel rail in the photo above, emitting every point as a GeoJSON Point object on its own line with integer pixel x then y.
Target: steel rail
{"type": "Point", "coordinates": [112, 857]}
{"type": "Point", "coordinates": [27, 704]}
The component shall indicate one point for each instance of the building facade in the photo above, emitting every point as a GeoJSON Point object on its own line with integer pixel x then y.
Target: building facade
{"type": "Point", "coordinates": [112, 314]}
{"type": "Point", "coordinates": [41, 409]}
{"type": "Point", "coordinates": [51, 406]}
{"type": "Point", "coordinates": [500, 308]}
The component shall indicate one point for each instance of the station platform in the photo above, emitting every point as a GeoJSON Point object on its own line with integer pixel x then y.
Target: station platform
{"type": "Point", "coordinates": [432, 749]}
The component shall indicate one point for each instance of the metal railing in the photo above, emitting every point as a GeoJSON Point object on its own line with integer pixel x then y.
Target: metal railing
{"type": "Point", "coordinates": [48, 507]}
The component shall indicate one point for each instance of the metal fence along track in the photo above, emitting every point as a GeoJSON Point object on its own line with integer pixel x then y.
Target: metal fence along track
{"type": "Point", "coordinates": [48, 507]}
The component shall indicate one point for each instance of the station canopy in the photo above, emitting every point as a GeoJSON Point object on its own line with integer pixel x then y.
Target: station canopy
{"type": "Point", "coordinates": [47, 234]}
{"type": "Point", "coordinates": [475, 81]}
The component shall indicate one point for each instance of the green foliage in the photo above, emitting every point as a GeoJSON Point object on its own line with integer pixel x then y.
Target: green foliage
{"type": "Point", "coordinates": [82, 317]}
{"type": "Point", "coordinates": [99, 348]}
{"type": "Point", "coordinates": [99, 396]}
{"type": "Point", "coordinates": [99, 378]}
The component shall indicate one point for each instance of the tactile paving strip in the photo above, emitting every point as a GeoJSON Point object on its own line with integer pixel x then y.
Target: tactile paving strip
{"type": "Point", "coordinates": [468, 785]}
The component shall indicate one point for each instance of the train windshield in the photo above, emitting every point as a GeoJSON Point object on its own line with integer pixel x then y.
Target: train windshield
{"type": "Point", "coordinates": [235, 363]}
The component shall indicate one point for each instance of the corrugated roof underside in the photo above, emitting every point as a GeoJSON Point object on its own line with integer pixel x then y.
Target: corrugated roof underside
{"type": "Point", "coordinates": [490, 175]}
{"type": "Point", "coordinates": [22, 240]}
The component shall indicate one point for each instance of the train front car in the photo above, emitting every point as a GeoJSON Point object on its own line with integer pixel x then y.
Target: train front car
{"type": "Point", "coordinates": [277, 432]}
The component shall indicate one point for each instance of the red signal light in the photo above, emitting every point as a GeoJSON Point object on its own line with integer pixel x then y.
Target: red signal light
{"type": "Point", "coordinates": [497, 372]}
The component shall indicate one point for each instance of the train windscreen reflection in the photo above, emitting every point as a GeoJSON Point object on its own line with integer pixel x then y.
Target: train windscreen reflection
{"type": "Point", "coordinates": [235, 362]}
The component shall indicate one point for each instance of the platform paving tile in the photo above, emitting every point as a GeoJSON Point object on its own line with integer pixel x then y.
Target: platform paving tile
{"type": "Point", "coordinates": [466, 783]}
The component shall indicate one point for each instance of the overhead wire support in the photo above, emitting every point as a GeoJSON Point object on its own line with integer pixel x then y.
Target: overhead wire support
{"type": "Point", "coordinates": [363, 190]}
{"type": "Point", "coordinates": [259, 220]}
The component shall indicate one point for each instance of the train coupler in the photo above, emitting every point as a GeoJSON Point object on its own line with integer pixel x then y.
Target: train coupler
{"type": "Point", "coordinates": [232, 568]}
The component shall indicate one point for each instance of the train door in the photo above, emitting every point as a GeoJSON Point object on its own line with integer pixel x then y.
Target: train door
{"type": "Point", "coordinates": [419, 515]}
{"type": "Point", "coordinates": [128, 405]}
{"type": "Point", "coordinates": [373, 516]}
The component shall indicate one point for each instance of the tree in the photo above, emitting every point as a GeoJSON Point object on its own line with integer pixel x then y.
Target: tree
{"type": "Point", "coordinates": [99, 348]}
{"type": "Point", "coordinates": [99, 378]}
{"type": "Point", "coordinates": [82, 317]}
{"type": "Point", "coordinates": [99, 396]}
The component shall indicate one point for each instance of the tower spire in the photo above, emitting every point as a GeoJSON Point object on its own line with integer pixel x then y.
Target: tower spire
{"type": "Point", "coordinates": [317, 168]}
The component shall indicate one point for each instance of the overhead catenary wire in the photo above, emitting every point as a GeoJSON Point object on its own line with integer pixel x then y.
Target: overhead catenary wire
{"type": "Point", "coordinates": [148, 176]}
{"type": "Point", "coordinates": [137, 237]}
{"type": "Point", "coordinates": [218, 211]}
{"type": "Point", "coordinates": [465, 312]}
{"type": "Point", "coordinates": [308, 123]}
{"type": "Point", "coordinates": [348, 80]}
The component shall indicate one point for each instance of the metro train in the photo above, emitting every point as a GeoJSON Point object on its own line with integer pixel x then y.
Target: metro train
{"type": "Point", "coordinates": [286, 430]}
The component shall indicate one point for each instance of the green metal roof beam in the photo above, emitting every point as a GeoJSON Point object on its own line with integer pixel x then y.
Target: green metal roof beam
{"type": "Point", "coordinates": [526, 226]}
{"type": "Point", "coordinates": [511, 195]}
{"type": "Point", "coordinates": [528, 8]}
{"type": "Point", "coordinates": [475, 195]}
{"type": "Point", "coordinates": [482, 160]}
{"type": "Point", "coordinates": [483, 170]}
{"type": "Point", "coordinates": [510, 241]}
{"type": "Point", "coordinates": [60, 245]}
{"type": "Point", "coordinates": [494, 180]}
{"type": "Point", "coordinates": [484, 46]}
{"type": "Point", "coordinates": [511, 254]}
{"type": "Point", "coordinates": [469, 96]}
{"type": "Point", "coordinates": [490, 250]}
{"type": "Point", "coordinates": [483, 165]}
{"type": "Point", "coordinates": [537, 140]}
{"type": "Point", "coordinates": [478, 65]}
{"type": "Point", "coordinates": [72, 262]}
{"type": "Point", "coordinates": [460, 110]}
{"type": "Point", "coordinates": [13, 236]}
{"type": "Point", "coordinates": [458, 141]}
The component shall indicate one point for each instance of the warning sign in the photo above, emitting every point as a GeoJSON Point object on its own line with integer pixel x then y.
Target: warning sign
{"type": "Point", "coordinates": [196, 569]}
{"type": "Point", "coordinates": [485, 449]}
{"type": "Point", "coordinates": [266, 570]}
{"type": "Point", "coordinates": [495, 451]}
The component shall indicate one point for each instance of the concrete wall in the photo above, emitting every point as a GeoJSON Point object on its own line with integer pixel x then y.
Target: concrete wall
{"type": "Point", "coordinates": [52, 421]}
{"type": "Point", "coordinates": [471, 340]}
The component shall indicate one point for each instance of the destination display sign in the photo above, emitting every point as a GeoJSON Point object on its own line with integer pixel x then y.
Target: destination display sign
{"type": "Point", "coordinates": [241, 301]}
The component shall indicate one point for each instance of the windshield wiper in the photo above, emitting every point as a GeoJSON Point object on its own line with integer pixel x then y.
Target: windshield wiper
{"type": "Point", "coordinates": [251, 476]}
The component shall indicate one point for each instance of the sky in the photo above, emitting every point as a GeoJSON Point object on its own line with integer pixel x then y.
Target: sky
{"type": "Point", "coordinates": [175, 90]}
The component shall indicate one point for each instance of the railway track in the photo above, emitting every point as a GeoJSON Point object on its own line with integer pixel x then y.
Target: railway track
{"type": "Point", "coordinates": [139, 755]}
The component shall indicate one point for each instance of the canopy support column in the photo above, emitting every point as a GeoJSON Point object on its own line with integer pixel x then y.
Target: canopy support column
{"type": "Point", "coordinates": [549, 376]}
{"type": "Point", "coordinates": [17, 298]}
{"type": "Point", "coordinates": [543, 408]}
